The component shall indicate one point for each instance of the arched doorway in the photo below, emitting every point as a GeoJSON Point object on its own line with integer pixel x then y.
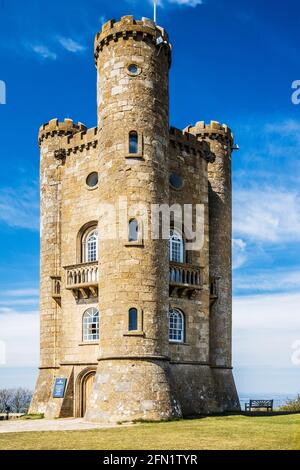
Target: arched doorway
{"type": "Point", "coordinates": [86, 389]}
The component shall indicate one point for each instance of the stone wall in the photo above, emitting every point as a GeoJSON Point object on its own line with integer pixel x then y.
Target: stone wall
{"type": "Point", "coordinates": [188, 160]}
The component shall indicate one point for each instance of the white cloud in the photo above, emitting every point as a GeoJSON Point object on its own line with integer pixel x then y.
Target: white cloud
{"type": "Point", "coordinates": [28, 298]}
{"type": "Point", "coordinates": [19, 207]}
{"type": "Point", "coordinates": [19, 332]}
{"type": "Point", "coordinates": [239, 253]}
{"type": "Point", "coordinates": [265, 329]}
{"type": "Point", "coordinates": [20, 293]}
{"type": "Point", "coordinates": [5, 310]}
{"type": "Point", "coordinates": [24, 301]}
{"type": "Point", "coordinates": [70, 45]}
{"type": "Point", "coordinates": [286, 128]}
{"type": "Point", "coordinates": [279, 280]}
{"type": "Point", "coordinates": [268, 214]}
{"type": "Point", "coordinates": [272, 311]}
{"type": "Point", "coordinates": [188, 3]}
{"type": "Point", "coordinates": [283, 139]}
{"type": "Point", "coordinates": [43, 51]}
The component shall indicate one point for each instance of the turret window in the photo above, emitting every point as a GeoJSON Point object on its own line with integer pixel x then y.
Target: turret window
{"type": "Point", "coordinates": [176, 326]}
{"type": "Point", "coordinates": [133, 143]}
{"type": "Point", "coordinates": [90, 325]}
{"type": "Point", "coordinates": [133, 70]}
{"type": "Point", "coordinates": [176, 247]}
{"type": "Point", "coordinates": [92, 180]}
{"type": "Point", "coordinates": [132, 319]}
{"type": "Point", "coordinates": [176, 181]}
{"type": "Point", "coordinates": [133, 234]}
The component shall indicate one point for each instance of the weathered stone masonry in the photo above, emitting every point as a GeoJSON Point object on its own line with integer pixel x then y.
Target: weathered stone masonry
{"type": "Point", "coordinates": [135, 374]}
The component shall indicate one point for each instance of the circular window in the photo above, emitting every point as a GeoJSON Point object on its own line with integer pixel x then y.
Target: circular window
{"type": "Point", "coordinates": [176, 181]}
{"type": "Point", "coordinates": [92, 180]}
{"type": "Point", "coordinates": [133, 70]}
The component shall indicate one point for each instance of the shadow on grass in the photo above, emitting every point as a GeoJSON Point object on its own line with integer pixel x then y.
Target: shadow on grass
{"type": "Point", "coordinates": [252, 414]}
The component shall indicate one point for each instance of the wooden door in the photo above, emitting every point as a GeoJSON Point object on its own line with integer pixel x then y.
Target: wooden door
{"type": "Point", "coordinates": [87, 385]}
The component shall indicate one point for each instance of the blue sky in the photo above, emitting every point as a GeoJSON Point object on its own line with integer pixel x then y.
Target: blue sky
{"type": "Point", "coordinates": [233, 61]}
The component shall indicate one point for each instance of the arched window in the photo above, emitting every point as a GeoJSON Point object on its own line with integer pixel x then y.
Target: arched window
{"type": "Point", "coordinates": [176, 247]}
{"type": "Point", "coordinates": [176, 326]}
{"type": "Point", "coordinates": [133, 230]}
{"type": "Point", "coordinates": [90, 246]}
{"type": "Point", "coordinates": [132, 319]}
{"type": "Point", "coordinates": [133, 142]}
{"type": "Point", "coordinates": [90, 325]}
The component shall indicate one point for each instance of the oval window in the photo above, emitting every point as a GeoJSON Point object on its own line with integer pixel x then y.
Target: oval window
{"type": "Point", "coordinates": [176, 181]}
{"type": "Point", "coordinates": [133, 69]}
{"type": "Point", "coordinates": [92, 180]}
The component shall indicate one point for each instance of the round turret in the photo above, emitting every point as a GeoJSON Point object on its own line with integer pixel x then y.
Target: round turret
{"type": "Point", "coordinates": [133, 61]}
{"type": "Point", "coordinates": [140, 30]}
{"type": "Point", "coordinates": [59, 128]}
{"type": "Point", "coordinates": [220, 139]}
{"type": "Point", "coordinates": [212, 131]}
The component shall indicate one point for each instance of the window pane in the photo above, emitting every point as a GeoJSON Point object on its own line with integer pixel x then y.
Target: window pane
{"type": "Point", "coordinates": [92, 180]}
{"type": "Point", "coordinates": [92, 247]}
{"type": "Point", "coordinates": [133, 142]}
{"type": "Point", "coordinates": [133, 69]}
{"type": "Point", "coordinates": [176, 181]}
{"type": "Point", "coordinates": [133, 230]}
{"type": "Point", "coordinates": [176, 247]}
{"type": "Point", "coordinates": [176, 326]}
{"type": "Point", "coordinates": [133, 320]}
{"type": "Point", "coordinates": [90, 325]}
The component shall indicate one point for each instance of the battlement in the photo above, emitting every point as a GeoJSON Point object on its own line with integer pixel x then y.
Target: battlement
{"type": "Point", "coordinates": [214, 130]}
{"type": "Point", "coordinates": [81, 141]}
{"type": "Point", "coordinates": [61, 128]}
{"type": "Point", "coordinates": [128, 27]}
{"type": "Point", "coordinates": [189, 143]}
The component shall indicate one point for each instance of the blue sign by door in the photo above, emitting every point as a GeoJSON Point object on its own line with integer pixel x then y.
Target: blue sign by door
{"type": "Point", "coordinates": [59, 388]}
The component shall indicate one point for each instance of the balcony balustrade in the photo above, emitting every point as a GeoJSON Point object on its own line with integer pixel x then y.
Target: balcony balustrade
{"type": "Point", "coordinates": [82, 280]}
{"type": "Point", "coordinates": [185, 280]}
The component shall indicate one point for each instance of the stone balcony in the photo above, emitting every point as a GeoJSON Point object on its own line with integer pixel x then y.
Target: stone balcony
{"type": "Point", "coordinates": [214, 290]}
{"type": "Point", "coordinates": [82, 279]}
{"type": "Point", "coordinates": [56, 288]}
{"type": "Point", "coordinates": [185, 280]}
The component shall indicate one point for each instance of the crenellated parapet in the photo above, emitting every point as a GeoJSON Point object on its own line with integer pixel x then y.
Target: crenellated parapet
{"type": "Point", "coordinates": [188, 144]}
{"type": "Point", "coordinates": [60, 128]}
{"type": "Point", "coordinates": [213, 131]}
{"type": "Point", "coordinates": [80, 141]}
{"type": "Point", "coordinates": [128, 27]}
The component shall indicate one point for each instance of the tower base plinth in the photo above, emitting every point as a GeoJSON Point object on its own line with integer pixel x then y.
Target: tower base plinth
{"type": "Point", "coordinates": [226, 392]}
{"type": "Point", "coordinates": [127, 390]}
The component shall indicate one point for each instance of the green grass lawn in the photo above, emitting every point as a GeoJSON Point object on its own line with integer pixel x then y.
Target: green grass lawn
{"type": "Point", "coordinates": [226, 432]}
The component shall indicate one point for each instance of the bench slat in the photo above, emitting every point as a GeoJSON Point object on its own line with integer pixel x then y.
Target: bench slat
{"type": "Point", "coordinates": [259, 404]}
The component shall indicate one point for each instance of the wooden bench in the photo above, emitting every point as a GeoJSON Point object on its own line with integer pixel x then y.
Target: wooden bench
{"type": "Point", "coordinates": [259, 404]}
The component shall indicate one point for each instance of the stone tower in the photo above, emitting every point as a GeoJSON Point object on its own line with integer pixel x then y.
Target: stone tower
{"type": "Point", "coordinates": [133, 96]}
{"type": "Point", "coordinates": [134, 326]}
{"type": "Point", "coordinates": [220, 141]}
